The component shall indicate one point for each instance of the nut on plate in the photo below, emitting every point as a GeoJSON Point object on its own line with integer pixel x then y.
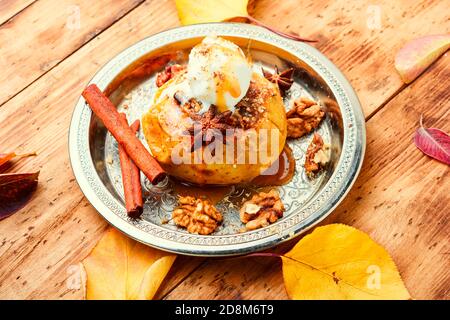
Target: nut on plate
{"type": "Point", "coordinates": [168, 73]}
{"type": "Point", "coordinates": [262, 210]}
{"type": "Point", "coordinates": [196, 215]}
{"type": "Point", "coordinates": [304, 117]}
{"type": "Point", "coordinates": [317, 155]}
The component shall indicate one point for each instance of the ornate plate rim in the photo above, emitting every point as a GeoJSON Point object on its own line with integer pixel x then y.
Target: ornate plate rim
{"type": "Point", "coordinates": [320, 206]}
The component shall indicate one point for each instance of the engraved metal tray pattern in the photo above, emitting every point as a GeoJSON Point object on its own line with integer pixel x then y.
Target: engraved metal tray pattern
{"type": "Point", "coordinates": [95, 162]}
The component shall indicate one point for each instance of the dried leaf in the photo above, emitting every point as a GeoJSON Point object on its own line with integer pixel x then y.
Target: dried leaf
{"type": "Point", "coordinates": [5, 157]}
{"type": "Point", "coordinates": [122, 268]}
{"type": "Point", "coordinates": [419, 54]}
{"type": "Point", "coordinates": [203, 11]}
{"type": "Point", "coordinates": [15, 191]}
{"type": "Point", "coordinates": [340, 262]}
{"type": "Point", "coordinates": [433, 142]}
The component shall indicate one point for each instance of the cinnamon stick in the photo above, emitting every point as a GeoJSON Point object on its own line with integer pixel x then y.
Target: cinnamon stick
{"type": "Point", "coordinates": [136, 175]}
{"type": "Point", "coordinates": [108, 114]}
{"type": "Point", "coordinates": [131, 178]}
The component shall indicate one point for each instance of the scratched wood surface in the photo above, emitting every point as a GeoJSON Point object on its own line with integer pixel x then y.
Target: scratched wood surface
{"type": "Point", "coordinates": [401, 198]}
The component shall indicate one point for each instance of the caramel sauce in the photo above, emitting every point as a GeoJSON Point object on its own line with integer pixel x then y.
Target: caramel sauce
{"type": "Point", "coordinates": [146, 66]}
{"type": "Point", "coordinates": [286, 170]}
{"type": "Point", "coordinates": [285, 173]}
{"type": "Point", "coordinates": [212, 193]}
{"type": "Point", "coordinates": [222, 88]}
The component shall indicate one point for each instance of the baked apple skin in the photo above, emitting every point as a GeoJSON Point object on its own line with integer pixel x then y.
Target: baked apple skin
{"type": "Point", "coordinates": [165, 125]}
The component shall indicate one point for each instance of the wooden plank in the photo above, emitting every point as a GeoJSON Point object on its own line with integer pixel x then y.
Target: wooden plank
{"type": "Point", "coordinates": [35, 264]}
{"type": "Point", "coordinates": [58, 227]}
{"type": "Point", "coordinates": [352, 36]}
{"type": "Point", "coordinates": [401, 200]}
{"type": "Point", "coordinates": [47, 32]}
{"type": "Point", "coordinates": [11, 7]}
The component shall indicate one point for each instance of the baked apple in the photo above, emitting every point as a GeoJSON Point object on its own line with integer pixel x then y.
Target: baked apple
{"type": "Point", "coordinates": [209, 124]}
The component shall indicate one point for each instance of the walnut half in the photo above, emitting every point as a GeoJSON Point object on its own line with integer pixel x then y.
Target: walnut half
{"type": "Point", "coordinates": [196, 215]}
{"type": "Point", "coordinates": [261, 210]}
{"type": "Point", "coordinates": [317, 155]}
{"type": "Point", "coordinates": [168, 73]}
{"type": "Point", "coordinates": [304, 117]}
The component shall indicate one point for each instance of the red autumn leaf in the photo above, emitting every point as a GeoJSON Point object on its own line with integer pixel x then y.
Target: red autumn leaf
{"type": "Point", "coordinates": [433, 142]}
{"type": "Point", "coordinates": [5, 157]}
{"type": "Point", "coordinates": [15, 191]}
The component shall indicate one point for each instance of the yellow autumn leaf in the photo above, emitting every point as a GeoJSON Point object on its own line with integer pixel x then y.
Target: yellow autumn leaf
{"type": "Point", "coordinates": [202, 11]}
{"type": "Point", "coordinates": [340, 262]}
{"type": "Point", "coordinates": [122, 268]}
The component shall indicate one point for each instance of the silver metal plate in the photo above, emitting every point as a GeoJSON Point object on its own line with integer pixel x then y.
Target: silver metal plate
{"type": "Point", "coordinates": [94, 156]}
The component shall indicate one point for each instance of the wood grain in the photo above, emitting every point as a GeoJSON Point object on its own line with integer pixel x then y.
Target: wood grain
{"type": "Point", "coordinates": [58, 228]}
{"type": "Point", "coordinates": [43, 34]}
{"type": "Point", "coordinates": [10, 8]}
{"type": "Point", "coordinates": [401, 200]}
{"type": "Point", "coordinates": [350, 34]}
{"type": "Point", "coordinates": [38, 119]}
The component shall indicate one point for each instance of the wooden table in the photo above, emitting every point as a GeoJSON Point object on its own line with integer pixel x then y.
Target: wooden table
{"type": "Point", "coordinates": [401, 198]}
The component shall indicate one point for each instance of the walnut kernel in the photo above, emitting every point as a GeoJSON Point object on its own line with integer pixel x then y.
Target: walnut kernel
{"type": "Point", "coordinates": [262, 210]}
{"type": "Point", "coordinates": [317, 155]}
{"type": "Point", "coordinates": [168, 73]}
{"type": "Point", "coordinates": [196, 215]}
{"type": "Point", "coordinates": [304, 117]}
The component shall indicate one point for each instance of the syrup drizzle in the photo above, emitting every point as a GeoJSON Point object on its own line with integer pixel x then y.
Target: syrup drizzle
{"type": "Point", "coordinates": [284, 174]}
{"type": "Point", "coordinates": [212, 193]}
{"type": "Point", "coordinates": [225, 87]}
